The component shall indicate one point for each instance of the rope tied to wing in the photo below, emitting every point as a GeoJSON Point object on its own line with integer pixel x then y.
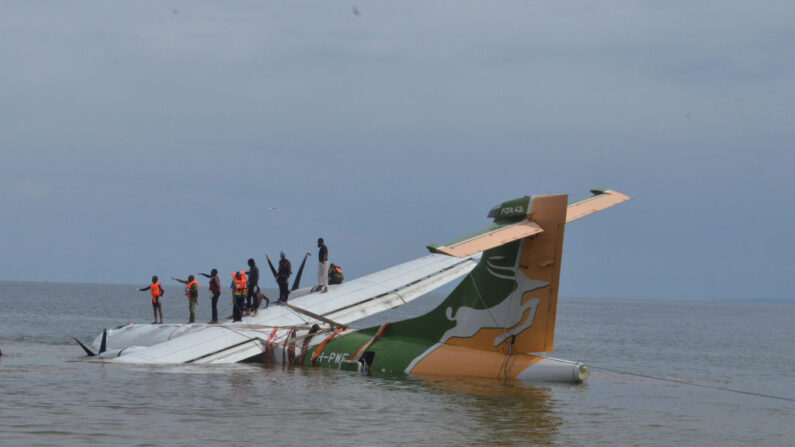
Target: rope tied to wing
{"type": "Point", "coordinates": [268, 352]}
{"type": "Point", "coordinates": [322, 345]}
{"type": "Point", "coordinates": [357, 354]}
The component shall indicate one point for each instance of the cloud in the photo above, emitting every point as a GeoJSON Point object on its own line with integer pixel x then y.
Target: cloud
{"type": "Point", "coordinates": [166, 136]}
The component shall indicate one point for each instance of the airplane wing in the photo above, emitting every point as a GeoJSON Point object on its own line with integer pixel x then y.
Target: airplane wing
{"type": "Point", "coordinates": [343, 303]}
{"type": "Point", "coordinates": [387, 288]}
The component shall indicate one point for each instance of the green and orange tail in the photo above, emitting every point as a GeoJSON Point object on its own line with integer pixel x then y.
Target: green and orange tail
{"type": "Point", "coordinates": [502, 314]}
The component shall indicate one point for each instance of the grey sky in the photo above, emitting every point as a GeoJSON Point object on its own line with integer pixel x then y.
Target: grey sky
{"type": "Point", "coordinates": [152, 137]}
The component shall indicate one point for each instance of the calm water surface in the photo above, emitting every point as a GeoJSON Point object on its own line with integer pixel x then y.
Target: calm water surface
{"type": "Point", "coordinates": [49, 397]}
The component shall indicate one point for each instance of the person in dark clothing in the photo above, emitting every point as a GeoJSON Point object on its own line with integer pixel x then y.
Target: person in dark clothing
{"type": "Point", "coordinates": [322, 267]}
{"type": "Point", "coordinates": [239, 291]}
{"type": "Point", "coordinates": [215, 290]}
{"type": "Point", "coordinates": [252, 303]}
{"type": "Point", "coordinates": [283, 277]}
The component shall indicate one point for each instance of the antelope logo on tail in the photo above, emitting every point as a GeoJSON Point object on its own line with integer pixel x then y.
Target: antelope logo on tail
{"type": "Point", "coordinates": [506, 314]}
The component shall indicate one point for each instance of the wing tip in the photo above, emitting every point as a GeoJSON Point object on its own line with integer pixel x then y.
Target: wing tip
{"type": "Point", "coordinates": [85, 348]}
{"type": "Point", "coordinates": [612, 192]}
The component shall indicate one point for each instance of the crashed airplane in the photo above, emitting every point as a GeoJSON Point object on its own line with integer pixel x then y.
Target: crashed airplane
{"type": "Point", "coordinates": [496, 323]}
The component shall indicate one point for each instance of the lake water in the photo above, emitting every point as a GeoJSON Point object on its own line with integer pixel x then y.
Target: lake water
{"type": "Point", "coordinates": [49, 397]}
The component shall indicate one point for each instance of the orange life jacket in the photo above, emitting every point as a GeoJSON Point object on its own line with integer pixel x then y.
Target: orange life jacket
{"type": "Point", "coordinates": [188, 288]}
{"type": "Point", "coordinates": [215, 284]}
{"type": "Point", "coordinates": [156, 290]}
{"type": "Point", "coordinates": [241, 285]}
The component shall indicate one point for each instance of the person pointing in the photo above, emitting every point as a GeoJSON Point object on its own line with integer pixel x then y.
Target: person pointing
{"type": "Point", "coordinates": [192, 292]}
{"type": "Point", "coordinates": [215, 290]}
{"type": "Point", "coordinates": [156, 291]}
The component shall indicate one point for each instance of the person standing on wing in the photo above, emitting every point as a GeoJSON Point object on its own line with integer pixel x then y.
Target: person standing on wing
{"type": "Point", "coordinates": [252, 301]}
{"type": "Point", "coordinates": [157, 291]}
{"type": "Point", "coordinates": [322, 267]}
{"type": "Point", "coordinates": [215, 290]}
{"type": "Point", "coordinates": [192, 292]}
{"type": "Point", "coordinates": [239, 292]}
{"type": "Point", "coordinates": [283, 277]}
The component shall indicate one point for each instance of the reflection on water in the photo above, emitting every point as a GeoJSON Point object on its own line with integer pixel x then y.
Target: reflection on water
{"type": "Point", "coordinates": [501, 412]}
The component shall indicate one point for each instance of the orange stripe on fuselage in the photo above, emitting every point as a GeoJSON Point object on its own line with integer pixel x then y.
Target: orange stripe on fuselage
{"type": "Point", "coordinates": [322, 344]}
{"type": "Point", "coordinates": [452, 360]}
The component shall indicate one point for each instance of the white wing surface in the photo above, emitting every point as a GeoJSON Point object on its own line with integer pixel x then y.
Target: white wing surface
{"type": "Point", "coordinates": [343, 303]}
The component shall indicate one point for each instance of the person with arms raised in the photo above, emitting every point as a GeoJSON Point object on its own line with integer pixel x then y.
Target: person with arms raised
{"type": "Point", "coordinates": [192, 292]}
{"type": "Point", "coordinates": [156, 290]}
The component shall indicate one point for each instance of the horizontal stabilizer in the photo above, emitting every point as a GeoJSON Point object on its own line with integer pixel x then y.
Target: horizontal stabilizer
{"type": "Point", "coordinates": [601, 199]}
{"type": "Point", "coordinates": [513, 221]}
{"type": "Point", "coordinates": [490, 238]}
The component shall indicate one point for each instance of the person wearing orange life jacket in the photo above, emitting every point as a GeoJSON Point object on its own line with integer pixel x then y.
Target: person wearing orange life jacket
{"type": "Point", "coordinates": [215, 290]}
{"type": "Point", "coordinates": [239, 292]}
{"type": "Point", "coordinates": [192, 292]}
{"type": "Point", "coordinates": [156, 289]}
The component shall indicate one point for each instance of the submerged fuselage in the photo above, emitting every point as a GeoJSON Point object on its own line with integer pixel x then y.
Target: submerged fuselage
{"type": "Point", "coordinates": [496, 323]}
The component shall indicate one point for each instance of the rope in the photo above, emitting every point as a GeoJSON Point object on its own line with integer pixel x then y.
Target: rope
{"type": "Point", "coordinates": [172, 332]}
{"type": "Point", "coordinates": [250, 338]}
{"type": "Point", "coordinates": [506, 365]}
{"type": "Point", "coordinates": [357, 354]}
{"type": "Point", "coordinates": [700, 385]}
{"type": "Point", "coordinates": [322, 344]}
{"type": "Point", "coordinates": [228, 306]}
{"type": "Point", "coordinates": [298, 314]}
{"type": "Point", "coordinates": [485, 306]}
{"type": "Point", "coordinates": [268, 342]}
{"type": "Point", "coordinates": [284, 348]}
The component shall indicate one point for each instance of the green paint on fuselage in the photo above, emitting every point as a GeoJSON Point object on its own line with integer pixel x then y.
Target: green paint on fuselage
{"type": "Point", "coordinates": [405, 340]}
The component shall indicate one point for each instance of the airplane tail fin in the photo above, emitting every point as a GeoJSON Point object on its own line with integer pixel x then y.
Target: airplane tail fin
{"type": "Point", "coordinates": [511, 296]}
{"type": "Point", "coordinates": [507, 305]}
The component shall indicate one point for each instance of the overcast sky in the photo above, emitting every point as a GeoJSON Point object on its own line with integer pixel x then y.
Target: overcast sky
{"type": "Point", "coordinates": [142, 138]}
